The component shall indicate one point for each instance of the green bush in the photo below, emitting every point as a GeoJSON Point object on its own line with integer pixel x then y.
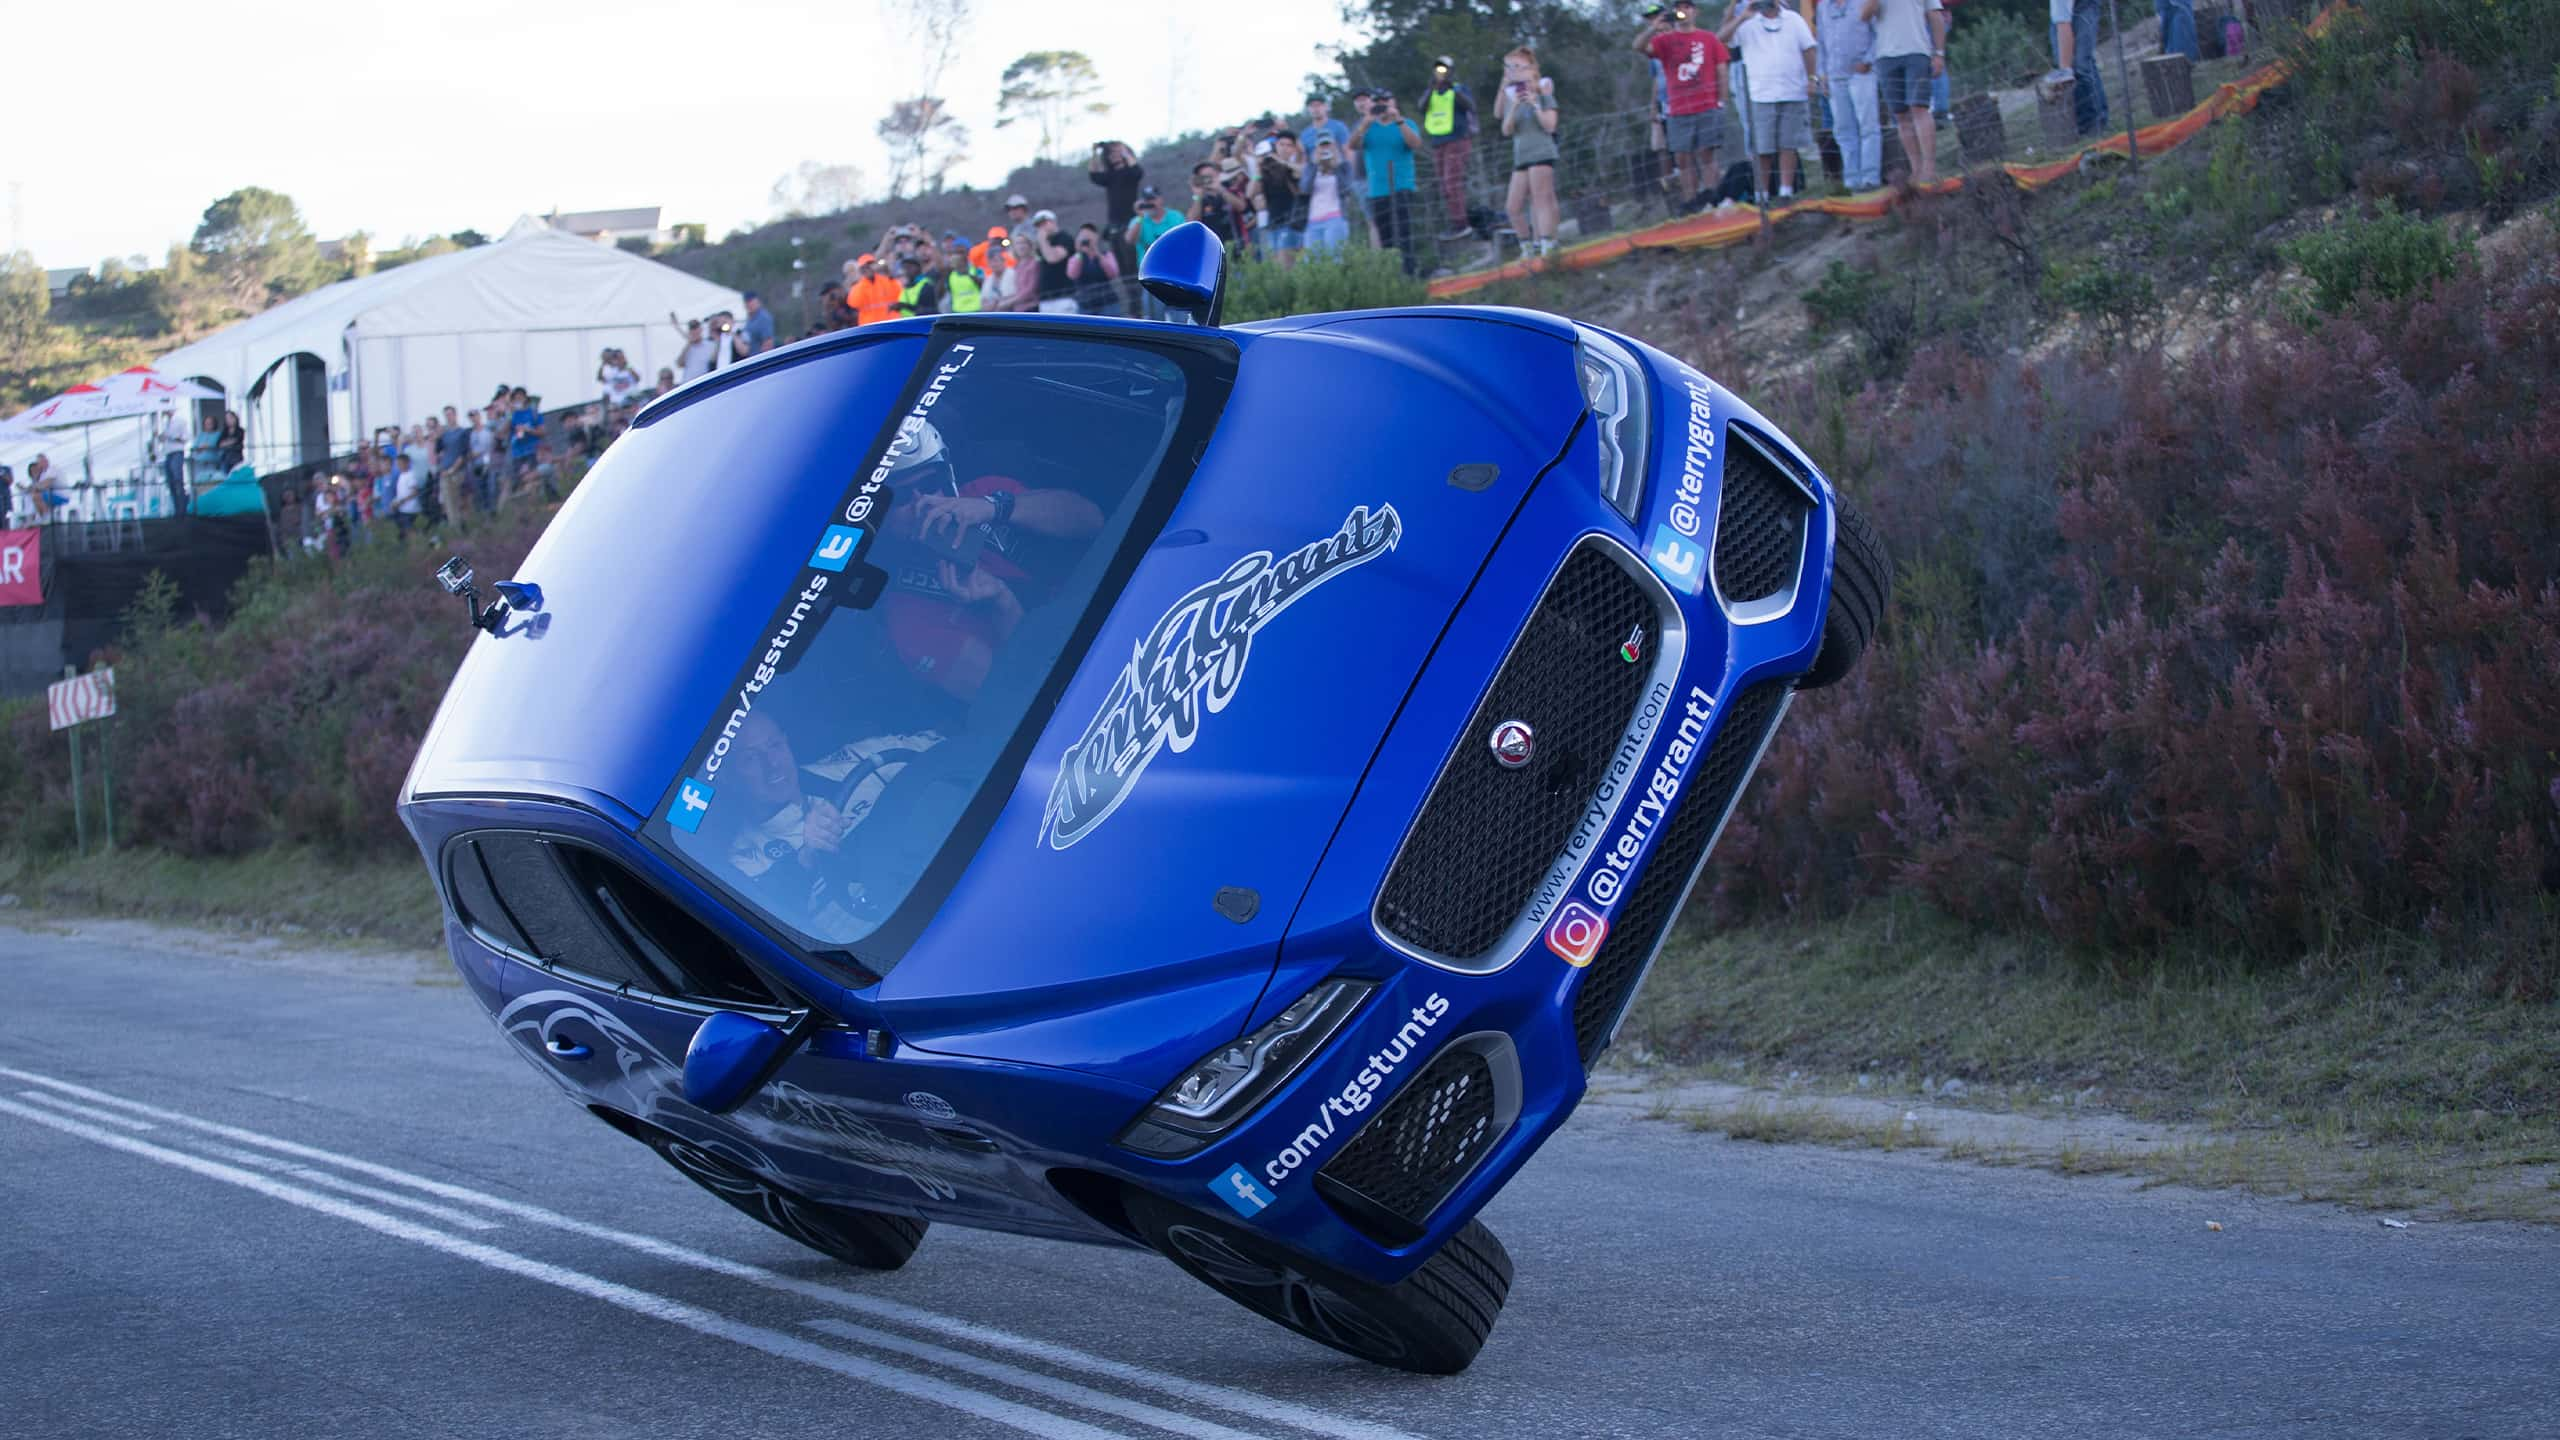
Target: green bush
{"type": "Point", "coordinates": [1992, 48]}
{"type": "Point", "coordinates": [1352, 278]}
{"type": "Point", "coordinates": [2390, 255]}
{"type": "Point", "coordinates": [2118, 301]}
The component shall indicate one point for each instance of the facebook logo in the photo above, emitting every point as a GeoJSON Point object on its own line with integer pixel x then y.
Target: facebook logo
{"type": "Point", "coordinates": [693, 798]}
{"type": "Point", "coordinates": [1241, 1194]}
{"type": "Point", "coordinates": [837, 548]}
{"type": "Point", "coordinates": [1677, 559]}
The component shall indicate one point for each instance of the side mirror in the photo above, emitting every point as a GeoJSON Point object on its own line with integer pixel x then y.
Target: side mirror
{"type": "Point", "coordinates": [1187, 269]}
{"type": "Point", "coordinates": [731, 1057]}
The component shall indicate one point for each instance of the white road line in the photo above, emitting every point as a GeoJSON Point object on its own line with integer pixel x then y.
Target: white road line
{"type": "Point", "coordinates": [640, 1302]}
{"type": "Point", "coordinates": [104, 1117]}
{"type": "Point", "coordinates": [1032, 1380]}
{"type": "Point", "coordinates": [344, 1186]}
{"type": "Point", "coordinates": [1200, 1392]}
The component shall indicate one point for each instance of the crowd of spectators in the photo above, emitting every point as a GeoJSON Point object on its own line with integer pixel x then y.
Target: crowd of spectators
{"type": "Point", "coordinates": [1739, 102]}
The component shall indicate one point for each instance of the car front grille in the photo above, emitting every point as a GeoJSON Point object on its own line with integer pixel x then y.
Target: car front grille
{"type": "Point", "coordinates": [1488, 834]}
{"type": "Point", "coordinates": [1419, 1148]}
{"type": "Point", "coordinates": [1637, 930]}
{"type": "Point", "coordinates": [1760, 520]}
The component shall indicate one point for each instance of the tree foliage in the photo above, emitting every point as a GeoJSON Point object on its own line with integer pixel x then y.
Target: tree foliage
{"type": "Point", "coordinates": [256, 248]}
{"type": "Point", "coordinates": [924, 144]}
{"type": "Point", "coordinates": [816, 189]}
{"type": "Point", "coordinates": [1051, 90]}
{"type": "Point", "coordinates": [25, 300]}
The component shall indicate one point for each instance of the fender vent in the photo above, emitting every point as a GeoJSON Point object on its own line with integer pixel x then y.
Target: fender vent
{"type": "Point", "coordinates": [1427, 1140]}
{"type": "Point", "coordinates": [1760, 519]}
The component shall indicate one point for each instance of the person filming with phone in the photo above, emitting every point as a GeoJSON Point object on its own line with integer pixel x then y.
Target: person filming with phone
{"type": "Point", "coordinates": [1390, 142]}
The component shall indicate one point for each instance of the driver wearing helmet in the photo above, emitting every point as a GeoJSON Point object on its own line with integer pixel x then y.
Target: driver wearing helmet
{"type": "Point", "coordinates": [788, 819]}
{"type": "Point", "coordinates": [966, 559]}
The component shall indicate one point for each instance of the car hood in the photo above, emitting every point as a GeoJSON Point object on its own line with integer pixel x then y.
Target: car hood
{"type": "Point", "coordinates": [1126, 910]}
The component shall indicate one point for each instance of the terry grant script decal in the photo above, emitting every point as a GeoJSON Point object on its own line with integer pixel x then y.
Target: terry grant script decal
{"type": "Point", "coordinates": [1191, 662]}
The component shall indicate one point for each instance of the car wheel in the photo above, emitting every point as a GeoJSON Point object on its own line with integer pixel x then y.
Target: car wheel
{"type": "Point", "coordinates": [864, 1239]}
{"type": "Point", "coordinates": [1861, 583]}
{"type": "Point", "coordinates": [1432, 1322]}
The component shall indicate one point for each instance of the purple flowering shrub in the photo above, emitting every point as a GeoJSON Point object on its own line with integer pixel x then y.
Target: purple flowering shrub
{"type": "Point", "coordinates": [2261, 645]}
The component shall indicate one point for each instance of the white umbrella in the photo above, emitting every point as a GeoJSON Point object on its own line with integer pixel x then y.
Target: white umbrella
{"type": "Point", "coordinates": [82, 404]}
{"type": "Point", "coordinates": [138, 391]}
{"type": "Point", "coordinates": [148, 391]}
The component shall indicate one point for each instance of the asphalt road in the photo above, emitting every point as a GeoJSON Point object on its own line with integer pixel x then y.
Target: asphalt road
{"type": "Point", "coordinates": [257, 1197]}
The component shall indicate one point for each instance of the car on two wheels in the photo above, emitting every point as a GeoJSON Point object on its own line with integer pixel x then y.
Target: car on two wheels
{"type": "Point", "coordinates": [1214, 789]}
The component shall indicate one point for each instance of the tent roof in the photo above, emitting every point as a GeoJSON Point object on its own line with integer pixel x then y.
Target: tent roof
{"type": "Point", "coordinates": [538, 280]}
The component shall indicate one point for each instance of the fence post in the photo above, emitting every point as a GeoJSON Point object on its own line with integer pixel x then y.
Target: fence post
{"type": "Point", "coordinates": [79, 807]}
{"type": "Point", "coordinates": [107, 777]}
{"type": "Point", "coordinates": [2124, 85]}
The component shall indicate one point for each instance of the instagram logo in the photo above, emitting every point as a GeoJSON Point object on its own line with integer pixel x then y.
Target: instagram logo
{"type": "Point", "coordinates": [1576, 933]}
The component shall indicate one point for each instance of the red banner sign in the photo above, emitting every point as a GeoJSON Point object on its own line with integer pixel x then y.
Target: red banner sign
{"type": "Point", "coordinates": [19, 580]}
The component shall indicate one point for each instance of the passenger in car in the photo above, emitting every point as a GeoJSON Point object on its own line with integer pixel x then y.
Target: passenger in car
{"type": "Point", "coordinates": [778, 823]}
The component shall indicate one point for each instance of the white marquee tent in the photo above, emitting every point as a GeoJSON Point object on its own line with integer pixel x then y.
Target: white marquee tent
{"type": "Point", "coordinates": [534, 309]}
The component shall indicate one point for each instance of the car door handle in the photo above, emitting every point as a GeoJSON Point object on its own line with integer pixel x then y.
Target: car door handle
{"type": "Point", "coordinates": [564, 1048]}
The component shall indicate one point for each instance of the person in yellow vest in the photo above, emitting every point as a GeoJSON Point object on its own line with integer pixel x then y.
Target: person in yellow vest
{"type": "Point", "coordinates": [918, 294]}
{"type": "Point", "coordinates": [960, 289]}
{"type": "Point", "coordinates": [1449, 122]}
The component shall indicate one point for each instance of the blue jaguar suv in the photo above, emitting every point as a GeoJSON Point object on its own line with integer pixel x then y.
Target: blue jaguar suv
{"type": "Point", "coordinates": [1213, 789]}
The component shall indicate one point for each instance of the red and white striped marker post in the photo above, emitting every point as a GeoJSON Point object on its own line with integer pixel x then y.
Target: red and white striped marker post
{"type": "Point", "coordinates": [70, 704]}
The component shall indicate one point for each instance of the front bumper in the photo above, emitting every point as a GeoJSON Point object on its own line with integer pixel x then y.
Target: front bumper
{"type": "Point", "coordinates": [1460, 1065]}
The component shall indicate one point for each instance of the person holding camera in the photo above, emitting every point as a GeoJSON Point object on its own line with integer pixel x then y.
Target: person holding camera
{"type": "Point", "coordinates": [1115, 168]}
{"type": "Point", "coordinates": [1778, 73]}
{"type": "Point", "coordinates": [1527, 106]}
{"type": "Point", "coordinates": [614, 372]}
{"type": "Point", "coordinates": [695, 361]}
{"type": "Point", "coordinates": [1693, 62]}
{"type": "Point", "coordinates": [1209, 203]}
{"type": "Point", "coordinates": [1279, 196]}
{"type": "Point", "coordinates": [1390, 142]}
{"type": "Point", "coordinates": [1096, 272]}
{"type": "Point", "coordinates": [1056, 294]}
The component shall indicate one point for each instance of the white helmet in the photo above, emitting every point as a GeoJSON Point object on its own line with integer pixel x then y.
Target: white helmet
{"type": "Point", "coordinates": [919, 464]}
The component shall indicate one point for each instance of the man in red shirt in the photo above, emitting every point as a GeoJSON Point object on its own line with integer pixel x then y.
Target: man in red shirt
{"type": "Point", "coordinates": [1693, 62]}
{"type": "Point", "coordinates": [947, 617]}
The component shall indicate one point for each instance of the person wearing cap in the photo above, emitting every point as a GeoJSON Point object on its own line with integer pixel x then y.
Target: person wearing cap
{"type": "Point", "coordinates": [756, 335]}
{"type": "Point", "coordinates": [695, 362]}
{"type": "Point", "coordinates": [1449, 121]}
{"type": "Point", "coordinates": [874, 297]}
{"type": "Point", "coordinates": [1693, 64]}
{"type": "Point", "coordinates": [1054, 292]}
{"type": "Point", "coordinates": [1321, 126]}
{"type": "Point", "coordinates": [1779, 74]}
{"type": "Point", "coordinates": [1018, 226]}
{"type": "Point", "coordinates": [921, 292]}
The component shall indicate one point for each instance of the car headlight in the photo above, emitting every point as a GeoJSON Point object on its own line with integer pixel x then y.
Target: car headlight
{"type": "Point", "coordinates": [1620, 396]}
{"type": "Point", "coordinates": [1237, 1077]}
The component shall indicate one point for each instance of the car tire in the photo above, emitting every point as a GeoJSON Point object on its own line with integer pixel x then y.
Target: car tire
{"type": "Point", "coordinates": [1861, 584]}
{"type": "Point", "coordinates": [864, 1239]}
{"type": "Point", "coordinates": [1432, 1322]}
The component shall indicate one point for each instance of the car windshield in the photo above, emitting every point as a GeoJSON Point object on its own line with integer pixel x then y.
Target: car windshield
{"type": "Point", "coordinates": [879, 719]}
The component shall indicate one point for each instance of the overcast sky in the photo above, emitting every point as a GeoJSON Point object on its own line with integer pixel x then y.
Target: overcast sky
{"type": "Point", "coordinates": [417, 119]}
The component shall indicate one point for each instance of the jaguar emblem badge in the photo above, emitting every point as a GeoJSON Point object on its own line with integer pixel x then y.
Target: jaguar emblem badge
{"type": "Point", "coordinates": [1513, 743]}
